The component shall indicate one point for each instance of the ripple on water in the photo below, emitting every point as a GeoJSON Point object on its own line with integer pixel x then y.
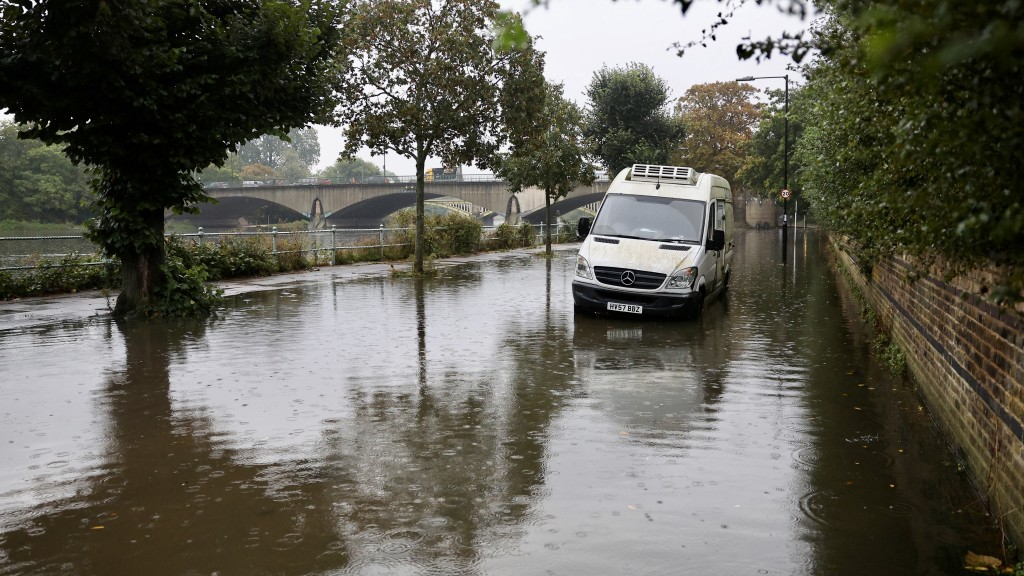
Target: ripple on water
{"type": "Point", "coordinates": [807, 455]}
{"type": "Point", "coordinates": [813, 505]}
{"type": "Point", "coordinates": [288, 541]}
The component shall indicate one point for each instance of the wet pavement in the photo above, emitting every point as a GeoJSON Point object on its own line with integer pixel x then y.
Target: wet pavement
{"type": "Point", "coordinates": [347, 422]}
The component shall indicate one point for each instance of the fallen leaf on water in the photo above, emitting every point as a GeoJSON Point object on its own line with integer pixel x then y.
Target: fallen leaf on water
{"type": "Point", "coordinates": [97, 528]}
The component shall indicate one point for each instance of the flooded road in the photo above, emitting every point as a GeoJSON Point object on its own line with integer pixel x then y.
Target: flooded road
{"type": "Point", "coordinates": [471, 425]}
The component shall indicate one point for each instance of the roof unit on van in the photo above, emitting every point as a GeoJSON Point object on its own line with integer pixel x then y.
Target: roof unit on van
{"type": "Point", "coordinates": [668, 174]}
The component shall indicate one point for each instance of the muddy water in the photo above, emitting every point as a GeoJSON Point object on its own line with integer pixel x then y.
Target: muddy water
{"type": "Point", "coordinates": [471, 425]}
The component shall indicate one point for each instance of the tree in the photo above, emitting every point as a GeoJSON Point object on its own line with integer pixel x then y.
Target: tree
{"type": "Point", "coordinates": [38, 182]}
{"type": "Point", "coordinates": [555, 160]}
{"type": "Point", "coordinates": [423, 79]}
{"type": "Point", "coordinates": [356, 169]}
{"type": "Point", "coordinates": [272, 150]}
{"type": "Point", "coordinates": [913, 140]}
{"type": "Point", "coordinates": [764, 169]}
{"type": "Point", "coordinates": [627, 120]}
{"type": "Point", "coordinates": [148, 92]}
{"type": "Point", "coordinates": [719, 119]}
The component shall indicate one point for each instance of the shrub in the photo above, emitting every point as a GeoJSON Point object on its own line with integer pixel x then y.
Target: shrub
{"type": "Point", "coordinates": [70, 273]}
{"type": "Point", "coordinates": [453, 234]}
{"type": "Point", "coordinates": [443, 235]}
{"type": "Point", "coordinates": [186, 291]}
{"type": "Point", "coordinates": [507, 237]}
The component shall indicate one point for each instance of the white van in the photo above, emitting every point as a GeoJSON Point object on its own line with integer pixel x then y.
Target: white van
{"type": "Point", "coordinates": [660, 245]}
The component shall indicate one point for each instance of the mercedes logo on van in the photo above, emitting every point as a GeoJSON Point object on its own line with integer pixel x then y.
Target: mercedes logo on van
{"type": "Point", "coordinates": [628, 278]}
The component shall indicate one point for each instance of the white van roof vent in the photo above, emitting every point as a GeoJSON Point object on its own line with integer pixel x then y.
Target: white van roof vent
{"type": "Point", "coordinates": [667, 174]}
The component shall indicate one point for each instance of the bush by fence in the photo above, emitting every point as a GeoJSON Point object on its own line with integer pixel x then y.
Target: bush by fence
{"type": "Point", "coordinates": [194, 259]}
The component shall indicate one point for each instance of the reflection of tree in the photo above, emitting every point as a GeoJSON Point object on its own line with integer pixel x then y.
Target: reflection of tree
{"type": "Point", "coordinates": [460, 461]}
{"type": "Point", "coordinates": [171, 498]}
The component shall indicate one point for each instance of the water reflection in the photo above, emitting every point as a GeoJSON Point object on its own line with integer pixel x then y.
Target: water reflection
{"type": "Point", "coordinates": [655, 379]}
{"type": "Point", "coordinates": [471, 424]}
{"type": "Point", "coordinates": [168, 497]}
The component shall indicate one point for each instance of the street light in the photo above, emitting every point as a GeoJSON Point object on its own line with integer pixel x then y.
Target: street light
{"type": "Point", "coordinates": [785, 160]}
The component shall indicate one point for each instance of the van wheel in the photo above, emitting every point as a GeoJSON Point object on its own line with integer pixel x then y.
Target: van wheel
{"type": "Point", "coordinates": [698, 306]}
{"type": "Point", "coordinates": [725, 282]}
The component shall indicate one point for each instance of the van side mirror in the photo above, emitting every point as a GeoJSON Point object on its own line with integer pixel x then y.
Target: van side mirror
{"type": "Point", "coordinates": [717, 241]}
{"type": "Point", "coordinates": [583, 228]}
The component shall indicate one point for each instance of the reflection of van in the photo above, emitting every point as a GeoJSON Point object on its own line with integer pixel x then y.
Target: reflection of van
{"type": "Point", "coordinates": [660, 245]}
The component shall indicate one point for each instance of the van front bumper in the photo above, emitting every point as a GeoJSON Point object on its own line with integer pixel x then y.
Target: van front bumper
{"type": "Point", "coordinates": [595, 299]}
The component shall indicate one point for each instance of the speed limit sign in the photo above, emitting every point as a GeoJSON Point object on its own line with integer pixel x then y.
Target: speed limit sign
{"type": "Point", "coordinates": [785, 193]}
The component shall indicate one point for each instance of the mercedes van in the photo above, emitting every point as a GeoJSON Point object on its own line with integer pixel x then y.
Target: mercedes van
{"type": "Point", "coordinates": [660, 245]}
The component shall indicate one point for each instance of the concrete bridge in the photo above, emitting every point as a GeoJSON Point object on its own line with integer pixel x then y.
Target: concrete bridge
{"type": "Point", "coordinates": [367, 204]}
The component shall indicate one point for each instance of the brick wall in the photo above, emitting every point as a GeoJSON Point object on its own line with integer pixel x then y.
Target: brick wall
{"type": "Point", "coordinates": [966, 355]}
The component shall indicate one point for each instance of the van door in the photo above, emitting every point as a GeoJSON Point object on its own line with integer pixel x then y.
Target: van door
{"type": "Point", "coordinates": [716, 221]}
{"type": "Point", "coordinates": [712, 258]}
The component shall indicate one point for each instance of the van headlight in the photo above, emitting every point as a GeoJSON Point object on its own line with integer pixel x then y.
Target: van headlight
{"type": "Point", "coordinates": [682, 278]}
{"type": "Point", "coordinates": [583, 267]}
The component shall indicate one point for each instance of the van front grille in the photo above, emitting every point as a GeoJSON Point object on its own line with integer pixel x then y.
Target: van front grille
{"type": "Point", "coordinates": [640, 279]}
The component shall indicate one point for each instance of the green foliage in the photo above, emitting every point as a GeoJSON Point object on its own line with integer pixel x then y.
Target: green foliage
{"type": "Point", "coordinates": [628, 121]}
{"type": "Point", "coordinates": [445, 234]}
{"type": "Point", "coordinates": [765, 170]}
{"type": "Point", "coordinates": [508, 237]}
{"type": "Point", "coordinates": [25, 228]}
{"type": "Point", "coordinates": [38, 182]}
{"type": "Point", "coordinates": [273, 151]}
{"type": "Point", "coordinates": [913, 134]}
{"type": "Point", "coordinates": [232, 257]}
{"type": "Point", "coordinates": [890, 354]}
{"type": "Point", "coordinates": [292, 254]}
{"type": "Point", "coordinates": [71, 273]}
{"type": "Point", "coordinates": [554, 159]}
{"type": "Point", "coordinates": [187, 292]}
{"type": "Point", "coordinates": [240, 71]}
{"type": "Point", "coordinates": [346, 170]}
{"type": "Point", "coordinates": [423, 79]}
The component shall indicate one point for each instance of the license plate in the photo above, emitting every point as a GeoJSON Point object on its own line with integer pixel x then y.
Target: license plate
{"type": "Point", "coordinates": [631, 308]}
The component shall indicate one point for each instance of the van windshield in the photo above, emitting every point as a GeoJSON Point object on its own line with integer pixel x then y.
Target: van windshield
{"type": "Point", "coordinates": [650, 218]}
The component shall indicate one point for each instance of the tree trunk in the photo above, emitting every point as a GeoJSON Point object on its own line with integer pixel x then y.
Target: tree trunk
{"type": "Point", "coordinates": [141, 276]}
{"type": "Point", "coordinates": [547, 222]}
{"type": "Point", "coordinates": [421, 161]}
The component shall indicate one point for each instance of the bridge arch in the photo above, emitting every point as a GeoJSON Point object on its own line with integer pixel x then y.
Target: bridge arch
{"type": "Point", "coordinates": [371, 212]}
{"type": "Point", "coordinates": [564, 206]}
{"type": "Point", "coordinates": [238, 211]}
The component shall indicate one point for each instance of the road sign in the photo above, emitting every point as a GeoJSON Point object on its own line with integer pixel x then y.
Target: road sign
{"type": "Point", "coordinates": [785, 193]}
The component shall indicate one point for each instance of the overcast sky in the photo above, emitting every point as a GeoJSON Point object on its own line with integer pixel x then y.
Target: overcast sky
{"type": "Point", "coordinates": [581, 36]}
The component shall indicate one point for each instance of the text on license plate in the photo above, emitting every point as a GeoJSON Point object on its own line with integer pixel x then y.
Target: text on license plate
{"type": "Point", "coordinates": [631, 308]}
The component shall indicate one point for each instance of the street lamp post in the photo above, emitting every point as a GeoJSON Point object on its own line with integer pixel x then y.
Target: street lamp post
{"type": "Point", "coordinates": [785, 160]}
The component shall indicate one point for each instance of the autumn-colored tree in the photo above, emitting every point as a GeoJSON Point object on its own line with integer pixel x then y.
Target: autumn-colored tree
{"type": "Point", "coordinates": [555, 160]}
{"type": "Point", "coordinates": [423, 79]}
{"type": "Point", "coordinates": [719, 119]}
{"type": "Point", "coordinates": [257, 172]}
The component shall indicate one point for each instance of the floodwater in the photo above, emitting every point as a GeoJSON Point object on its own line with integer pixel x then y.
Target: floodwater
{"type": "Point", "coordinates": [471, 425]}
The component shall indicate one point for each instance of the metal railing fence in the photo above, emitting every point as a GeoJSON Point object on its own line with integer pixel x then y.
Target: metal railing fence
{"type": "Point", "coordinates": [26, 253]}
